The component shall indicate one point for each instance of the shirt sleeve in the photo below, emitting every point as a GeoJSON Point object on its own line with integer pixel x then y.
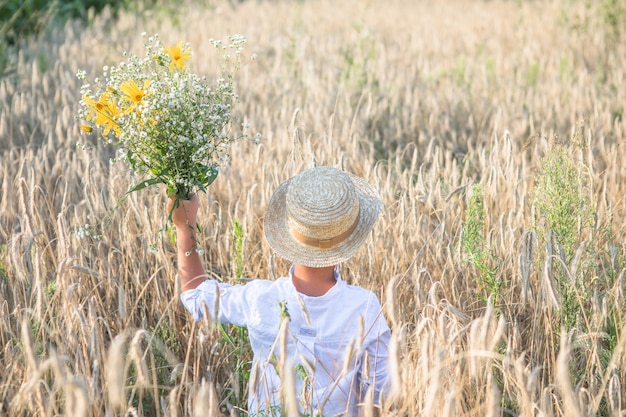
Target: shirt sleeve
{"type": "Point", "coordinates": [225, 303]}
{"type": "Point", "coordinates": [376, 350]}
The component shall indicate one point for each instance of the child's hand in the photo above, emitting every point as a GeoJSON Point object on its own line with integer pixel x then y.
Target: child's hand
{"type": "Point", "coordinates": [183, 214]}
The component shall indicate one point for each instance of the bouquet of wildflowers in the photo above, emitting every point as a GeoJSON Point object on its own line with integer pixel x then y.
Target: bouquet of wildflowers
{"type": "Point", "coordinates": [171, 125]}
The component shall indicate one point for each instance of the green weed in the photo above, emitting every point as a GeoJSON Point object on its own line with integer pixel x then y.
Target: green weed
{"type": "Point", "coordinates": [236, 337]}
{"type": "Point", "coordinates": [532, 74]}
{"type": "Point", "coordinates": [357, 58]}
{"type": "Point", "coordinates": [562, 200]}
{"type": "Point", "coordinates": [3, 272]}
{"type": "Point", "coordinates": [459, 71]}
{"type": "Point", "coordinates": [613, 13]}
{"type": "Point", "coordinates": [476, 247]}
{"type": "Point", "coordinates": [565, 213]}
{"type": "Point", "coordinates": [238, 259]}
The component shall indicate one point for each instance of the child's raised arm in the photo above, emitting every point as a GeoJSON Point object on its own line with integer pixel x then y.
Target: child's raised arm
{"type": "Point", "coordinates": [190, 269]}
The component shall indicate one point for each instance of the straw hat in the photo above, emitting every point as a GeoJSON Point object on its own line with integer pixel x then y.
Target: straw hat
{"type": "Point", "coordinates": [321, 216]}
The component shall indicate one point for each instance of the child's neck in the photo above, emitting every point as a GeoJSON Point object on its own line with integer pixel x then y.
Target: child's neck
{"type": "Point", "coordinates": [313, 282]}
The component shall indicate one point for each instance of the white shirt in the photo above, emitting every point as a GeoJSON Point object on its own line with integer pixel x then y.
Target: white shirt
{"type": "Point", "coordinates": [329, 339]}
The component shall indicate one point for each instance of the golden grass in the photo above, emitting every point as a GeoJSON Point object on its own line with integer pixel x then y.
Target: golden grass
{"type": "Point", "coordinates": [423, 99]}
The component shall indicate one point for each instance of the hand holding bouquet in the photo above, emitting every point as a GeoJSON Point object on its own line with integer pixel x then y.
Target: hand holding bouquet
{"type": "Point", "coordinates": [171, 125]}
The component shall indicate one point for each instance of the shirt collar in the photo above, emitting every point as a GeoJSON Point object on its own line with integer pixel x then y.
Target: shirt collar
{"type": "Point", "coordinates": [335, 272]}
{"type": "Point", "coordinates": [340, 283]}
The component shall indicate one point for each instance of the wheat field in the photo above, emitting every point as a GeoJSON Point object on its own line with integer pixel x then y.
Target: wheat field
{"type": "Point", "coordinates": [433, 103]}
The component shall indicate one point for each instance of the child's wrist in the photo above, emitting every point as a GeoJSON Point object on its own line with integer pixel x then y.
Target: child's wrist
{"type": "Point", "coordinates": [186, 243]}
{"type": "Point", "coordinates": [185, 226]}
{"type": "Point", "coordinates": [186, 232]}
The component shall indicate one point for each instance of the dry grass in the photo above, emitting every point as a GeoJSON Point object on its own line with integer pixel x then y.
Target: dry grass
{"type": "Point", "coordinates": [423, 99]}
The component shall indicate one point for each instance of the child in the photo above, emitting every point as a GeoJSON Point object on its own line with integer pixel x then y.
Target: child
{"type": "Point", "coordinates": [326, 339]}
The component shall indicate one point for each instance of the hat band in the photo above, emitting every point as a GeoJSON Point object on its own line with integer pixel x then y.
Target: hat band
{"type": "Point", "coordinates": [325, 243]}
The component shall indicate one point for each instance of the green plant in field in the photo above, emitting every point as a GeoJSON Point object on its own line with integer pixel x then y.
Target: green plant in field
{"type": "Point", "coordinates": [50, 289]}
{"type": "Point", "coordinates": [357, 57]}
{"type": "Point", "coordinates": [565, 69]}
{"type": "Point", "coordinates": [239, 352]}
{"type": "Point", "coordinates": [164, 339]}
{"type": "Point", "coordinates": [3, 272]}
{"type": "Point", "coordinates": [236, 337]}
{"type": "Point", "coordinates": [613, 13]}
{"type": "Point", "coordinates": [476, 247]}
{"type": "Point", "coordinates": [532, 75]}
{"type": "Point", "coordinates": [459, 70]}
{"type": "Point", "coordinates": [609, 16]}
{"type": "Point", "coordinates": [565, 213]}
{"type": "Point", "coordinates": [238, 243]}
{"type": "Point", "coordinates": [561, 199]}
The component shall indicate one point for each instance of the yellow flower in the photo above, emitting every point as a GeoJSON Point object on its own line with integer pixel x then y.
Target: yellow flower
{"type": "Point", "coordinates": [95, 106]}
{"type": "Point", "coordinates": [133, 93]}
{"type": "Point", "coordinates": [104, 111]}
{"type": "Point", "coordinates": [85, 129]}
{"type": "Point", "coordinates": [178, 54]}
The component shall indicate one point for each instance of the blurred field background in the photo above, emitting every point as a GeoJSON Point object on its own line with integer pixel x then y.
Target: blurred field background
{"type": "Point", "coordinates": [494, 131]}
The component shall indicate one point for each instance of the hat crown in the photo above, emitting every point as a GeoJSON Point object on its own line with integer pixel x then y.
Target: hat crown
{"type": "Point", "coordinates": [321, 216]}
{"type": "Point", "coordinates": [321, 203]}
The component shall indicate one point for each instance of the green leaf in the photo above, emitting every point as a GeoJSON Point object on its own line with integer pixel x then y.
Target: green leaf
{"type": "Point", "coordinates": [207, 178]}
{"type": "Point", "coordinates": [144, 184]}
{"type": "Point", "coordinates": [137, 187]}
{"type": "Point", "coordinates": [130, 158]}
{"type": "Point", "coordinates": [211, 176]}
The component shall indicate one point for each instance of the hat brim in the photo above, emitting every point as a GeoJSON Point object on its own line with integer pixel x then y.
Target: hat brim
{"type": "Point", "coordinates": [283, 242]}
